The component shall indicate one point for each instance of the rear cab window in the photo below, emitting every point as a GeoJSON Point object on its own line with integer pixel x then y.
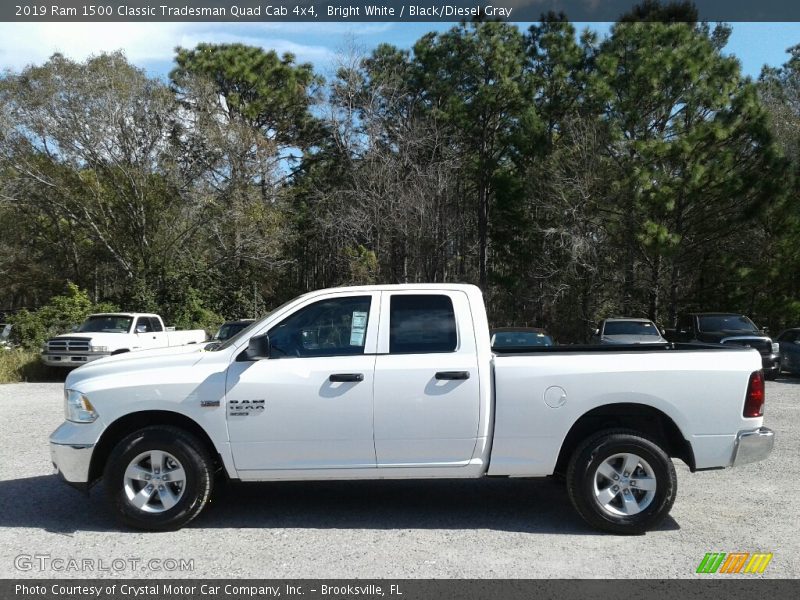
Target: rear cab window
{"type": "Point", "coordinates": [422, 324]}
{"type": "Point", "coordinates": [426, 322]}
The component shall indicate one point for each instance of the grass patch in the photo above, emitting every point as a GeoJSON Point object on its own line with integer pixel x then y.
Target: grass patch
{"type": "Point", "coordinates": [23, 365]}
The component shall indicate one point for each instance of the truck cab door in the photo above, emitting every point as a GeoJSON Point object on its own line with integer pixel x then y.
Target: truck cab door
{"type": "Point", "coordinates": [427, 392]}
{"type": "Point", "coordinates": [146, 338]}
{"type": "Point", "coordinates": [309, 405]}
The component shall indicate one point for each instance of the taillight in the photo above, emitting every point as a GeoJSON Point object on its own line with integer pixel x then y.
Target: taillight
{"type": "Point", "coordinates": [754, 401]}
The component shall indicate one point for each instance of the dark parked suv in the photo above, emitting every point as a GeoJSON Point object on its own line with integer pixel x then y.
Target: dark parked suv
{"type": "Point", "coordinates": [732, 329]}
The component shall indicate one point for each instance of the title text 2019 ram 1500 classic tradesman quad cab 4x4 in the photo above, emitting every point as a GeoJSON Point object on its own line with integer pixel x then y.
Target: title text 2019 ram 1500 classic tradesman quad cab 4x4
{"type": "Point", "coordinates": [401, 382]}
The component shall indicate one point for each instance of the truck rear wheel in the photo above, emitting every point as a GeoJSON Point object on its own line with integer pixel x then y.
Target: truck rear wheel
{"type": "Point", "coordinates": [158, 478]}
{"type": "Point", "coordinates": [621, 482]}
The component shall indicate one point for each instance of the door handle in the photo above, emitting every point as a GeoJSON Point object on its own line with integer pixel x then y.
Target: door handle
{"type": "Point", "coordinates": [346, 377]}
{"type": "Point", "coordinates": [452, 375]}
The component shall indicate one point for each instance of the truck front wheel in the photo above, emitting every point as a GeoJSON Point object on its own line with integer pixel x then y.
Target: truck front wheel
{"type": "Point", "coordinates": [158, 478]}
{"type": "Point", "coordinates": [621, 482]}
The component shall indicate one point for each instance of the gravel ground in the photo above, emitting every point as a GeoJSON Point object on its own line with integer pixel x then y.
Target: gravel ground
{"type": "Point", "coordinates": [390, 529]}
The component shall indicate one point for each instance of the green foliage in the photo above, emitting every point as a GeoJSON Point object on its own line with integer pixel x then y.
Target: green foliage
{"type": "Point", "coordinates": [193, 314]}
{"type": "Point", "coordinates": [18, 365]}
{"type": "Point", "coordinates": [32, 328]}
{"type": "Point", "coordinates": [268, 92]}
{"type": "Point", "coordinates": [362, 265]}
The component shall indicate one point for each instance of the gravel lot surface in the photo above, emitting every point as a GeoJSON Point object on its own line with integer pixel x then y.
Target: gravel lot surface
{"type": "Point", "coordinates": [441, 529]}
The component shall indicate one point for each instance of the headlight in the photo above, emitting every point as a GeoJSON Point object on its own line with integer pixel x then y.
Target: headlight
{"type": "Point", "coordinates": [776, 347]}
{"type": "Point", "coordinates": [77, 407]}
{"type": "Point", "coordinates": [98, 348]}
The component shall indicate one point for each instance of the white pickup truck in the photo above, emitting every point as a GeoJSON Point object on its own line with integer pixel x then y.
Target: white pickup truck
{"type": "Point", "coordinates": [107, 334]}
{"type": "Point", "coordinates": [400, 381]}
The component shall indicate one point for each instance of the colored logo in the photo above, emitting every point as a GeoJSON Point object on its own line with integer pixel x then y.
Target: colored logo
{"type": "Point", "coordinates": [734, 562]}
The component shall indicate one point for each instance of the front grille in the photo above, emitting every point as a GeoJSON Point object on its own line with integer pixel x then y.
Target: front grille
{"type": "Point", "coordinates": [68, 345]}
{"type": "Point", "coordinates": [760, 344]}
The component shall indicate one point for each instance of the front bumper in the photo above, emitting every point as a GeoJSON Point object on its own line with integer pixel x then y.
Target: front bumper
{"type": "Point", "coordinates": [60, 359]}
{"type": "Point", "coordinates": [771, 363]}
{"type": "Point", "coordinates": [71, 448]}
{"type": "Point", "coordinates": [72, 463]}
{"type": "Point", "coordinates": [752, 446]}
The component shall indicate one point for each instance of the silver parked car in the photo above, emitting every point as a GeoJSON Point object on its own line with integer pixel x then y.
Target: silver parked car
{"type": "Point", "coordinates": [628, 330]}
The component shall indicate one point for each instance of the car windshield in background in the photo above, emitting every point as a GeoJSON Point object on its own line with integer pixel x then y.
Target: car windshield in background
{"type": "Point", "coordinates": [520, 339]}
{"type": "Point", "coordinates": [107, 324]}
{"type": "Point", "coordinates": [229, 330]}
{"type": "Point", "coordinates": [630, 328]}
{"type": "Point", "coordinates": [727, 323]}
{"type": "Point", "coordinates": [244, 332]}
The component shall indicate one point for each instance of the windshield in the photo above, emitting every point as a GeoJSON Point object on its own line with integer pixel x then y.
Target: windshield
{"type": "Point", "coordinates": [727, 323]}
{"type": "Point", "coordinates": [630, 328]}
{"type": "Point", "coordinates": [517, 339]}
{"type": "Point", "coordinates": [106, 324]}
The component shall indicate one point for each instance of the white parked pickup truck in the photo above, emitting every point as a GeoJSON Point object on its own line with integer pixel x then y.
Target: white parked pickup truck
{"type": "Point", "coordinates": [400, 381]}
{"type": "Point", "coordinates": [108, 334]}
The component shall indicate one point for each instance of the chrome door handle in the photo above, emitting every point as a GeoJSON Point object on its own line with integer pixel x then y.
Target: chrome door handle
{"type": "Point", "coordinates": [345, 377]}
{"type": "Point", "coordinates": [452, 375]}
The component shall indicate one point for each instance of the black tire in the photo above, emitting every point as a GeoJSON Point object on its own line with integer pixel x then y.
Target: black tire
{"type": "Point", "coordinates": [191, 455]}
{"type": "Point", "coordinates": [581, 481]}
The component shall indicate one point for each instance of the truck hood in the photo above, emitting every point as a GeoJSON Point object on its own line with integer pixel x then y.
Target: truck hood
{"type": "Point", "coordinates": [98, 338]}
{"type": "Point", "coordinates": [632, 339]}
{"type": "Point", "coordinates": [717, 336]}
{"type": "Point", "coordinates": [129, 363]}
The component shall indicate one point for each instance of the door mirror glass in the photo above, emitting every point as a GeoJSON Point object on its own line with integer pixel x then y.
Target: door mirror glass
{"type": "Point", "coordinates": [258, 347]}
{"type": "Point", "coordinates": [141, 329]}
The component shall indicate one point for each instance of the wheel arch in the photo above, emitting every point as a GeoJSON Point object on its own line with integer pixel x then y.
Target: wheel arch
{"type": "Point", "coordinates": [643, 418]}
{"type": "Point", "coordinates": [135, 421]}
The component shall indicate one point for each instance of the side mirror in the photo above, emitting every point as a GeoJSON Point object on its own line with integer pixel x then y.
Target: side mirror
{"type": "Point", "coordinates": [140, 329]}
{"type": "Point", "coordinates": [74, 328]}
{"type": "Point", "coordinates": [765, 329]}
{"type": "Point", "coordinates": [258, 347]}
{"type": "Point", "coordinates": [596, 332]}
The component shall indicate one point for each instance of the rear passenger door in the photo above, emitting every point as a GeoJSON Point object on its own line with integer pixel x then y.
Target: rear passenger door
{"type": "Point", "coordinates": [427, 400]}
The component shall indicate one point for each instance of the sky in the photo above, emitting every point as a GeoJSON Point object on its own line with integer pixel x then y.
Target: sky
{"type": "Point", "coordinates": [151, 45]}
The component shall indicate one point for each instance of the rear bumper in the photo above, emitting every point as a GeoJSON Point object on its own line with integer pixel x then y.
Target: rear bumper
{"type": "Point", "coordinates": [752, 446]}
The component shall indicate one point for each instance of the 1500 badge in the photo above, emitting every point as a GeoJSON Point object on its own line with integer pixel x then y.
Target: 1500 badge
{"type": "Point", "coordinates": [246, 408]}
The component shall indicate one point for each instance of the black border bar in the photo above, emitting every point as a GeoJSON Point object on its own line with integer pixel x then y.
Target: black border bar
{"type": "Point", "coordinates": [366, 11]}
{"type": "Point", "coordinates": [703, 587]}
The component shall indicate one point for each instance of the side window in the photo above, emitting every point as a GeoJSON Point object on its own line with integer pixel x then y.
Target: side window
{"type": "Point", "coordinates": [155, 324]}
{"type": "Point", "coordinates": [335, 327]}
{"type": "Point", "coordinates": [789, 336]}
{"type": "Point", "coordinates": [143, 325]}
{"type": "Point", "coordinates": [685, 323]}
{"type": "Point", "coordinates": [421, 324]}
